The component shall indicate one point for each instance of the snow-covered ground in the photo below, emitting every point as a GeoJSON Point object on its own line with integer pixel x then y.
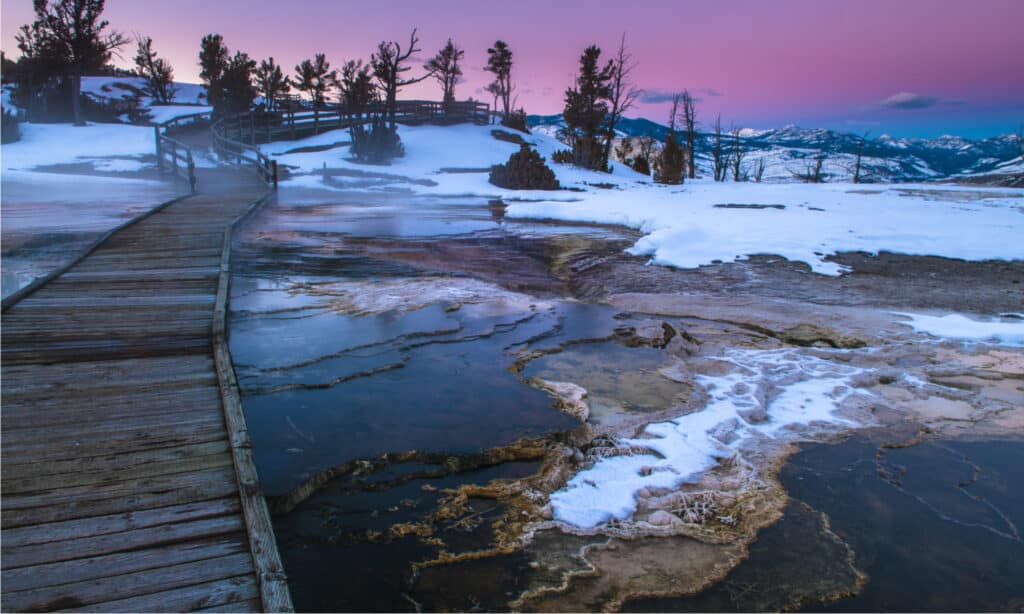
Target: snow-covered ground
{"type": "Point", "coordinates": [49, 144]}
{"type": "Point", "coordinates": [47, 217]}
{"type": "Point", "coordinates": [102, 88]}
{"type": "Point", "coordinates": [701, 221]}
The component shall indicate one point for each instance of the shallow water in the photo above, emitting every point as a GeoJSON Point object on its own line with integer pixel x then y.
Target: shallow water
{"type": "Point", "coordinates": [368, 325]}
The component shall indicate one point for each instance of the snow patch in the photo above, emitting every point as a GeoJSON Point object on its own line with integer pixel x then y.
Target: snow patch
{"type": "Point", "coordinates": [776, 394]}
{"type": "Point", "coordinates": [957, 326]}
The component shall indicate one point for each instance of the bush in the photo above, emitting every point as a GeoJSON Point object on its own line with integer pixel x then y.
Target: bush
{"type": "Point", "coordinates": [563, 156]}
{"type": "Point", "coordinates": [378, 145]}
{"type": "Point", "coordinates": [669, 166]}
{"type": "Point", "coordinates": [525, 170]}
{"type": "Point", "coordinates": [516, 120]}
{"type": "Point", "coordinates": [10, 132]}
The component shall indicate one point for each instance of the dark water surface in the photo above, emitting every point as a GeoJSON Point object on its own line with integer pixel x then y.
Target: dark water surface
{"type": "Point", "coordinates": [934, 526]}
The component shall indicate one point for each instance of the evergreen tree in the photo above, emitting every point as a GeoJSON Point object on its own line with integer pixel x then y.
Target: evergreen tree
{"type": "Point", "coordinates": [271, 83]}
{"type": "Point", "coordinates": [357, 87]}
{"type": "Point", "coordinates": [670, 167]}
{"type": "Point", "coordinates": [236, 83]}
{"type": "Point", "coordinates": [68, 35]}
{"type": "Point", "coordinates": [158, 72]}
{"type": "Point", "coordinates": [213, 61]}
{"type": "Point", "coordinates": [445, 68]}
{"type": "Point", "coordinates": [586, 108]}
{"type": "Point", "coordinates": [314, 77]}
{"type": "Point", "coordinates": [499, 62]}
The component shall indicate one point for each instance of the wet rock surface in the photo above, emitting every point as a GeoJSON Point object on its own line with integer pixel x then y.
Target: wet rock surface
{"type": "Point", "coordinates": [427, 381]}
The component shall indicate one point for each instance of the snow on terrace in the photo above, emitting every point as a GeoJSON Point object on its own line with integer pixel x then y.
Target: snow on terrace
{"type": "Point", "coordinates": [702, 221]}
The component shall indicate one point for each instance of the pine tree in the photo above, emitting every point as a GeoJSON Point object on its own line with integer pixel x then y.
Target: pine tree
{"type": "Point", "coordinates": [670, 166]}
{"type": "Point", "coordinates": [314, 77]}
{"type": "Point", "coordinates": [357, 87]}
{"type": "Point", "coordinates": [158, 72]}
{"type": "Point", "coordinates": [499, 62]}
{"type": "Point", "coordinates": [213, 61]}
{"type": "Point", "coordinates": [237, 87]}
{"type": "Point", "coordinates": [586, 108]}
{"type": "Point", "coordinates": [69, 35]}
{"type": "Point", "coordinates": [271, 83]}
{"type": "Point", "coordinates": [445, 68]}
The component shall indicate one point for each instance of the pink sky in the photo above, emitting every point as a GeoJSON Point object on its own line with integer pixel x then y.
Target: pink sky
{"type": "Point", "coordinates": [758, 63]}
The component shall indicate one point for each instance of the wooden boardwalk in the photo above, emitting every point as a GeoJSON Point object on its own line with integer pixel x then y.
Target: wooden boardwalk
{"type": "Point", "coordinates": [122, 487]}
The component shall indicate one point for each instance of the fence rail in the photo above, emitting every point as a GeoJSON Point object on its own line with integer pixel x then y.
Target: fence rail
{"type": "Point", "coordinates": [176, 157]}
{"type": "Point", "coordinates": [237, 137]}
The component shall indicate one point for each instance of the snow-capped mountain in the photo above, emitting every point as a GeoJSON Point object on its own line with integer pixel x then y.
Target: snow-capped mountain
{"type": "Point", "coordinates": [788, 151]}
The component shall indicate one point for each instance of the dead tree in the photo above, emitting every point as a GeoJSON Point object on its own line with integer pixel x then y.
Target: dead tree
{"type": "Point", "coordinates": [389, 62]}
{"type": "Point", "coordinates": [736, 154]}
{"type": "Point", "coordinates": [813, 171]}
{"type": "Point", "coordinates": [718, 158]}
{"type": "Point", "coordinates": [689, 122]}
{"type": "Point", "coordinates": [623, 94]}
{"type": "Point", "coordinates": [860, 153]}
{"type": "Point", "coordinates": [759, 170]}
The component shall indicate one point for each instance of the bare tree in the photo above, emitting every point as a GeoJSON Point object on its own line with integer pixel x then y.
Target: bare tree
{"type": "Point", "coordinates": [670, 166]}
{"type": "Point", "coordinates": [718, 158]}
{"type": "Point", "coordinates": [689, 122]}
{"type": "Point", "coordinates": [623, 94]}
{"type": "Point", "coordinates": [736, 154]}
{"type": "Point", "coordinates": [1020, 141]}
{"type": "Point", "coordinates": [759, 170]}
{"type": "Point", "coordinates": [445, 68]}
{"type": "Point", "coordinates": [389, 62]}
{"type": "Point", "coordinates": [860, 153]}
{"type": "Point", "coordinates": [156, 71]}
{"type": "Point", "coordinates": [812, 171]}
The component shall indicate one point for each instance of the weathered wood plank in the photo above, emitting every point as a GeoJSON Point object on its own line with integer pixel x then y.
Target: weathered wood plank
{"type": "Point", "coordinates": [77, 570]}
{"type": "Point", "coordinates": [188, 599]}
{"type": "Point", "coordinates": [112, 463]}
{"type": "Point", "coordinates": [116, 523]}
{"type": "Point", "coordinates": [95, 545]}
{"type": "Point", "coordinates": [197, 489]}
{"type": "Point", "coordinates": [108, 592]}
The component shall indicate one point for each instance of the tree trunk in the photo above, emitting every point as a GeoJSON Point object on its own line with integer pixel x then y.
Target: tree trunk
{"type": "Point", "coordinates": [76, 97]}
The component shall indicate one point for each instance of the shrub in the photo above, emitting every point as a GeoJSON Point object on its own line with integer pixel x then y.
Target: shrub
{"type": "Point", "coordinates": [525, 170]}
{"type": "Point", "coordinates": [10, 132]}
{"type": "Point", "coordinates": [563, 156]}
{"type": "Point", "coordinates": [669, 166]}
{"type": "Point", "coordinates": [378, 145]}
{"type": "Point", "coordinates": [516, 120]}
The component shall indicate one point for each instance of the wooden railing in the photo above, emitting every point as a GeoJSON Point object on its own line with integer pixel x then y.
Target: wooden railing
{"type": "Point", "coordinates": [176, 157]}
{"type": "Point", "coordinates": [236, 138]}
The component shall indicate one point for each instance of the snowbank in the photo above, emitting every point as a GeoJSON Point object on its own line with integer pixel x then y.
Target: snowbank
{"type": "Point", "coordinates": [164, 113]}
{"type": "Point", "coordinates": [697, 223]}
{"type": "Point", "coordinates": [46, 144]}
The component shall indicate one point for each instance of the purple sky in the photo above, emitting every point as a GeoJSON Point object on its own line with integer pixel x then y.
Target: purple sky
{"type": "Point", "coordinates": [903, 67]}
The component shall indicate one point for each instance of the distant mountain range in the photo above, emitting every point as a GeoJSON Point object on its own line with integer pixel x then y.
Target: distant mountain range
{"type": "Point", "coordinates": [788, 151]}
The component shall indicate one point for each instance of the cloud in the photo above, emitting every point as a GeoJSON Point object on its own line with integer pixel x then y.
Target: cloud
{"type": "Point", "coordinates": [908, 101]}
{"type": "Point", "coordinates": [656, 96]}
{"type": "Point", "coordinates": [710, 91]}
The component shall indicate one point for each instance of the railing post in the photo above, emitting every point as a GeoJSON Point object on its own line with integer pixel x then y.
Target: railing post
{"type": "Point", "coordinates": [191, 172]}
{"type": "Point", "coordinates": [316, 120]}
{"type": "Point", "coordinates": [159, 155]}
{"type": "Point", "coordinates": [273, 164]}
{"type": "Point", "coordinates": [291, 119]}
{"type": "Point", "coordinates": [252, 129]}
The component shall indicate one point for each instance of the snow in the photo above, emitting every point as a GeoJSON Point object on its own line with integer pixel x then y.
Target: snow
{"type": "Point", "coordinates": [165, 113]}
{"type": "Point", "coordinates": [682, 225]}
{"type": "Point", "coordinates": [809, 391]}
{"type": "Point", "coordinates": [960, 327]}
{"type": "Point", "coordinates": [127, 87]}
{"type": "Point", "coordinates": [47, 144]}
